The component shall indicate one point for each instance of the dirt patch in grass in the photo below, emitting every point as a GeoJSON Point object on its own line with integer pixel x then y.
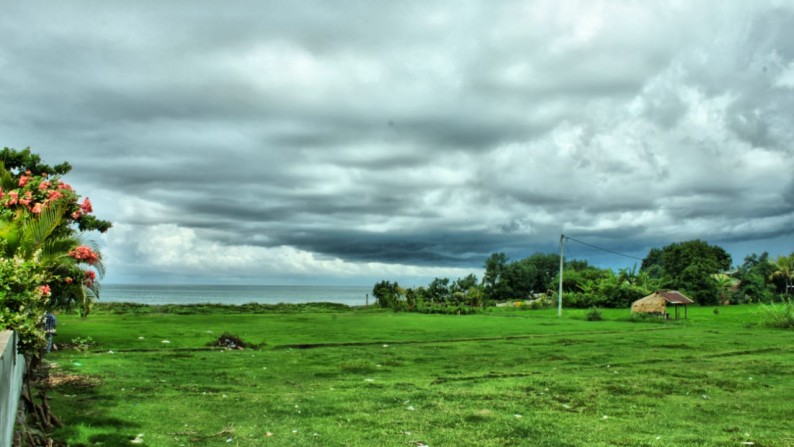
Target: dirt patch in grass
{"type": "Point", "coordinates": [229, 341]}
{"type": "Point", "coordinates": [57, 380]}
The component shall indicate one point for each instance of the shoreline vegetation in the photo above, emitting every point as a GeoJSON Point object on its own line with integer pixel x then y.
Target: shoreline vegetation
{"type": "Point", "coordinates": [208, 308]}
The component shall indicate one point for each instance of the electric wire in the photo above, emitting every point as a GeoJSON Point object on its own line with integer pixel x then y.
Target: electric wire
{"type": "Point", "coordinates": [602, 249]}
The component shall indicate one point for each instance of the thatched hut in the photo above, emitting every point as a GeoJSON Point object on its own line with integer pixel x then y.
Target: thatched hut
{"type": "Point", "coordinates": [657, 302]}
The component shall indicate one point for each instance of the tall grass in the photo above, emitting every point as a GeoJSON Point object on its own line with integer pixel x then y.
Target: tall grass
{"type": "Point", "coordinates": [780, 315]}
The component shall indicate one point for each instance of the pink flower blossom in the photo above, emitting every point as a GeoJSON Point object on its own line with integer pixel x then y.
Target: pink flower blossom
{"type": "Point", "coordinates": [89, 278]}
{"type": "Point", "coordinates": [54, 195]}
{"type": "Point", "coordinates": [27, 198]}
{"type": "Point", "coordinates": [13, 198]}
{"type": "Point", "coordinates": [86, 206]}
{"type": "Point", "coordinates": [66, 186]}
{"type": "Point", "coordinates": [45, 290]}
{"type": "Point", "coordinates": [23, 180]}
{"type": "Point", "coordinates": [44, 185]}
{"type": "Point", "coordinates": [86, 254]}
{"type": "Point", "coordinates": [37, 209]}
{"type": "Point", "coordinates": [76, 215]}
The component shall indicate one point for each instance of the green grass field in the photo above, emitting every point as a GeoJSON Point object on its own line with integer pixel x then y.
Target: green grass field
{"type": "Point", "coordinates": [372, 378]}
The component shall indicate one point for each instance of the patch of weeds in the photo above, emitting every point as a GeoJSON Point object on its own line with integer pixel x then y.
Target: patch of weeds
{"type": "Point", "coordinates": [79, 344]}
{"type": "Point", "coordinates": [780, 316]}
{"type": "Point", "coordinates": [594, 314]}
{"type": "Point", "coordinates": [480, 416]}
{"type": "Point", "coordinates": [358, 366]}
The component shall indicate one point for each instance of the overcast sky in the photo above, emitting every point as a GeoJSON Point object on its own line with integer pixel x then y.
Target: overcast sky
{"type": "Point", "coordinates": [343, 142]}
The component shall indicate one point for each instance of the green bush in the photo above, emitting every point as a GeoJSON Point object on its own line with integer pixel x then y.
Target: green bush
{"type": "Point", "coordinates": [594, 314]}
{"type": "Point", "coordinates": [778, 315]}
{"type": "Point", "coordinates": [83, 343]}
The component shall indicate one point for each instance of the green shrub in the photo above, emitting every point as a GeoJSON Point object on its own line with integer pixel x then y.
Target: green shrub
{"type": "Point", "coordinates": [594, 314]}
{"type": "Point", "coordinates": [83, 343]}
{"type": "Point", "coordinates": [778, 315]}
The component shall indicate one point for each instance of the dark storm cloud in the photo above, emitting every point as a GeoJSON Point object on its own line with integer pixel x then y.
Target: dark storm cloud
{"type": "Point", "coordinates": [350, 138]}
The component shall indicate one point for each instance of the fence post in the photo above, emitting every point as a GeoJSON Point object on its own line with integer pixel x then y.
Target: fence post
{"type": "Point", "coordinates": [12, 369]}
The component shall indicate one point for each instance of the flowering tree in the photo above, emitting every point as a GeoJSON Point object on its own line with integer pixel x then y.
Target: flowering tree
{"type": "Point", "coordinates": [44, 262]}
{"type": "Point", "coordinates": [41, 217]}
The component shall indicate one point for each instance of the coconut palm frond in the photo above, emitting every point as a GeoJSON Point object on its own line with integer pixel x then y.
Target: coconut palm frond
{"type": "Point", "coordinates": [90, 294]}
{"type": "Point", "coordinates": [36, 231]}
{"type": "Point", "coordinates": [58, 247]}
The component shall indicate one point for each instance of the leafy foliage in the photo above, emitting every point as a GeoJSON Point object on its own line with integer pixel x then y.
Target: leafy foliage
{"type": "Point", "coordinates": [779, 315]}
{"type": "Point", "coordinates": [22, 299]}
{"type": "Point", "coordinates": [783, 273]}
{"type": "Point", "coordinates": [46, 264]}
{"type": "Point", "coordinates": [26, 177]}
{"type": "Point", "coordinates": [689, 266]}
{"type": "Point", "coordinates": [521, 279]}
{"type": "Point", "coordinates": [593, 314]}
{"type": "Point", "coordinates": [755, 283]}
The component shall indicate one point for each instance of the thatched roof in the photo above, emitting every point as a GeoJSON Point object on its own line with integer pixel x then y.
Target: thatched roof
{"type": "Point", "coordinates": [657, 301]}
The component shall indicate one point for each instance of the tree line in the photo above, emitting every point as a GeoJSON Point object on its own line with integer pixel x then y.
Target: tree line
{"type": "Point", "coordinates": [700, 270]}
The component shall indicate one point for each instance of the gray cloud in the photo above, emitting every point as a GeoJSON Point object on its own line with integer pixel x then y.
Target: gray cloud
{"type": "Point", "coordinates": [349, 140]}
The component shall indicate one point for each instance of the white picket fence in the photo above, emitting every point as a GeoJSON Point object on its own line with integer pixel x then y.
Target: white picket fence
{"type": "Point", "coordinates": [12, 368]}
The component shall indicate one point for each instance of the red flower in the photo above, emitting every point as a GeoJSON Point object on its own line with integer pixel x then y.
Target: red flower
{"type": "Point", "coordinates": [86, 254]}
{"type": "Point", "coordinates": [37, 209]}
{"type": "Point", "coordinates": [45, 290]}
{"type": "Point", "coordinates": [54, 195]}
{"type": "Point", "coordinates": [76, 215]}
{"type": "Point", "coordinates": [23, 180]}
{"type": "Point", "coordinates": [44, 185]}
{"type": "Point", "coordinates": [27, 198]}
{"type": "Point", "coordinates": [13, 198]}
{"type": "Point", "coordinates": [89, 278]}
{"type": "Point", "coordinates": [86, 206]}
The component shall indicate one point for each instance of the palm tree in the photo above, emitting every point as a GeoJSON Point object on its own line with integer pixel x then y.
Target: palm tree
{"type": "Point", "coordinates": [628, 275]}
{"type": "Point", "coordinates": [784, 268]}
{"type": "Point", "coordinates": [724, 284]}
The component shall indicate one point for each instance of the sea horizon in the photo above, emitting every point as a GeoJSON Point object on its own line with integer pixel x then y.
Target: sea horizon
{"type": "Point", "coordinates": [157, 294]}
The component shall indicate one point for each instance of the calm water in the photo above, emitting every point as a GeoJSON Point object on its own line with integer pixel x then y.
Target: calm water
{"type": "Point", "coordinates": [233, 294]}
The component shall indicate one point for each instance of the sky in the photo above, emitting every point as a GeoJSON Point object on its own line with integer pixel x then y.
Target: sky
{"type": "Point", "coordinates": [346, 142]}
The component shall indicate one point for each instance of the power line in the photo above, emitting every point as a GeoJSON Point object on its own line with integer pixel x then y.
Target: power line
{"type": "Point", "coordinates": [603, 249]}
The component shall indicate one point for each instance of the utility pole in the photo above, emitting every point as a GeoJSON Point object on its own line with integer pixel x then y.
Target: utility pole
{"type": "Point", "coordinates": [562, 257]}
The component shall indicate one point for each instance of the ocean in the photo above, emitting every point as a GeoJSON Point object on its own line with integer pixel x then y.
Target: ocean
{"type": "Point", "coordinates": [234, 294]}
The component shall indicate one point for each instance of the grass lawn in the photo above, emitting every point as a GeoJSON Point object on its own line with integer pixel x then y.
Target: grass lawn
{"type": "Point", "coordinates": [372, 378]}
